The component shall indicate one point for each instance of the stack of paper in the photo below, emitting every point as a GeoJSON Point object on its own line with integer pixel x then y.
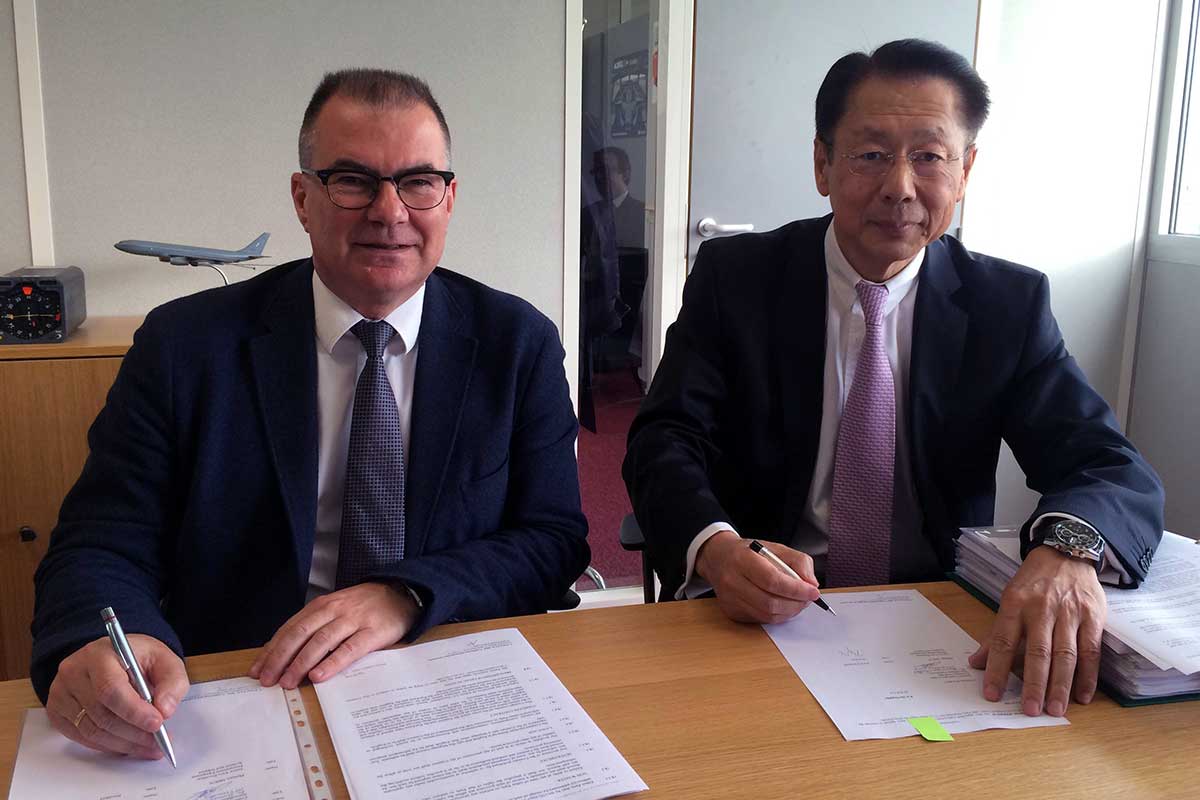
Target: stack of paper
{"type": "Point", "coordinates": [1151, 642]}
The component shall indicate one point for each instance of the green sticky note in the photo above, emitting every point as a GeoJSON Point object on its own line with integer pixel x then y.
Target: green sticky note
{"type": "Point", "coordinates": [930, 729]}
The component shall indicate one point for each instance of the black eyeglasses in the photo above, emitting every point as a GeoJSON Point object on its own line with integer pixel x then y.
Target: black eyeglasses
{"type": "Point", "coordinates": [352, 189]}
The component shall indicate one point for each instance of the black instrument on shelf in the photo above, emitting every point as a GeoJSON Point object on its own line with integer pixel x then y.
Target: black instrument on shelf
{"type": "Point", "coordinates": [39, 305]}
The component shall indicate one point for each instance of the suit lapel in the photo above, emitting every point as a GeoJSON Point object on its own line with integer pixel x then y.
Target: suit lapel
{"type": "Point", "coordinates": [283, 360]}
{"type": "Point", "coordinates": [938, 338]}
{"type": "Point", "coordinates": [445, 359]}
{"type": "Point", "coordinates": [800, 317]}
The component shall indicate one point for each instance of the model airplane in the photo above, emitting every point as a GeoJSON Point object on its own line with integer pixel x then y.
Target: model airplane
{"type": "Point", "coordinates": [183, 254]}
{"type": "Point", "coordinates": [187, 255]}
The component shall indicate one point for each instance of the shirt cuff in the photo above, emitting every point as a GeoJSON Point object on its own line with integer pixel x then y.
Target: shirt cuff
{"type": "Point", "coordinates": [693, 585]}
{"type": "Point", "coordinates": [1111, 571]}
{"type": "Point", "coordinates": [416, 598]}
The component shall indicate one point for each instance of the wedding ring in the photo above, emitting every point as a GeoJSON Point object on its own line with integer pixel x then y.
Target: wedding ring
{"type": "Point", "coordinates": [79, 717]}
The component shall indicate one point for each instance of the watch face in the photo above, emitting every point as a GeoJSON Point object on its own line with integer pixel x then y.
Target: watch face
{"type": "Point", "coordinates": [29, 312]}
{"type": "Point", "coordinates": [1075, 535]}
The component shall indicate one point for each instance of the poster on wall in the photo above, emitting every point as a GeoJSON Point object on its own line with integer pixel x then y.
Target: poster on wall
{"type": "Point", "coordinates": [629, 95]}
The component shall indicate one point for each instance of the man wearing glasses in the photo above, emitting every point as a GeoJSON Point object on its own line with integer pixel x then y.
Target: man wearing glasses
{"type": "Point", "coordinates": [326, 459]}
{"type": "Point", "coordinates": [842, 385]}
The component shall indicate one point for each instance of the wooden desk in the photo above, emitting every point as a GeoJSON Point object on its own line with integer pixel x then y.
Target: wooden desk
{"type": "Point", "coordinates": [707, 708]}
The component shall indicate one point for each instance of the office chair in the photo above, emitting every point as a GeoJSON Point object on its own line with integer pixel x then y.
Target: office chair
{"type": "Point", "coordinates": [633, 541]}
{"type": "Point", "coordinates": [572, 599]}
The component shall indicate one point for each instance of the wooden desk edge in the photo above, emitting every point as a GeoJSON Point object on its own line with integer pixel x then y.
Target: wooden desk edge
{"type": "Point", "coordinates": [97, 337]}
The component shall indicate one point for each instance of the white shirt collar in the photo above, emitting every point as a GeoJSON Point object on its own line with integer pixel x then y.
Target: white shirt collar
{"type": "Point", "coordinates": [620, 199]}
{"type": "Point", "coordinates": [843, 278]}
{"type": "Point", "coordinates": [334, 316]}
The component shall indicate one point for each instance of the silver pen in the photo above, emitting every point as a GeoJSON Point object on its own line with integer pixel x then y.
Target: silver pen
{"type": "Point", "coordinates": [757, 547]}
{"type": "Point", "coordinates": [124, 652]}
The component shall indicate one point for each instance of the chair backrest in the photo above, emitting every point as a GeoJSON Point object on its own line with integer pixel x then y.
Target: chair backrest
{"type": "Point", "coordinates": [633, 540]}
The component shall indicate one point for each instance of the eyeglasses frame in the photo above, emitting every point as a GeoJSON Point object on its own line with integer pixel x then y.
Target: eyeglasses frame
{"type": "Point", "coordinates": [323, 176]}
{"type": "Point", "coordinates": [851, 159]}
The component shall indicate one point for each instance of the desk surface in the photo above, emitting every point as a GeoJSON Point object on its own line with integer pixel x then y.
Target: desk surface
{"type": "Point", "coordinates": [703, 707]}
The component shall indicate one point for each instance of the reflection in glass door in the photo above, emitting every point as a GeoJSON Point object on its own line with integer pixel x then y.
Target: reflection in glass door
{"type": "Point", "coordinates": [616, 225]}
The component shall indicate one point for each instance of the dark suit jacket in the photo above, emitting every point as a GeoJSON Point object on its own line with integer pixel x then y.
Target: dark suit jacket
{"type": "Point", "coordinates": [729, 429]}
{"type": "Point", "coordinates": [194, 516]}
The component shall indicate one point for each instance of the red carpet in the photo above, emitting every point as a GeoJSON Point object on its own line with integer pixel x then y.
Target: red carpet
{"type": "Point", "coordinates": [616, 396]}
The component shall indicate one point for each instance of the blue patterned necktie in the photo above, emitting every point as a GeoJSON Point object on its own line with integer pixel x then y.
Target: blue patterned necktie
{"type": "Point", "coordinates": [373, 505]}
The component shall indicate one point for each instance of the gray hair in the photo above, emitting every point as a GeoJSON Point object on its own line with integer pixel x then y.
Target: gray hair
{"type": "Point", "coordinates": [381, 88]}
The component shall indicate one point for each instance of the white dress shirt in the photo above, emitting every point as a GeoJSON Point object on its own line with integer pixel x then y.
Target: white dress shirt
{"type": "Point", "coordinates": [340, 359]}
{"type": "Point", "coordinates": [845, 328]}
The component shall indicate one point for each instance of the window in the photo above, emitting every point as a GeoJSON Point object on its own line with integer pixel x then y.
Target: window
{"type": "Point", "coordinates": [1175, 232]}
{"type": "Point", "coordinates": [1185, 204]}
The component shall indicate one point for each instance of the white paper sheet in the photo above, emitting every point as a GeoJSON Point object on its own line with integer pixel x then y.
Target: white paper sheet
{"type": "Point", "coordinates": [233, 740]}
{"type": "Point", "coordinates": [477, 716]}
{"type": "Point", "coordinates": [889, 656]}
{"type": "Point", "coordinates": [1161, 618]}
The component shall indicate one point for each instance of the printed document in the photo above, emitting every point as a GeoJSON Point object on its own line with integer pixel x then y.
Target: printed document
{"type": "Point", "coordinates": [1161, 618]}
{"type": "Point", "coordinates": [478, 716]}
{"type": "Point", "coordinates": [233, 740]}
{"type": "Point", "coordinates": [891, 656]}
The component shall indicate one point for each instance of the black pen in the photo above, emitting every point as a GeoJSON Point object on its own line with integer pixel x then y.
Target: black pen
{"type": "Point", "coordinates": [757, 547]}
{"type": "Point", "coordinates": [124, 652]}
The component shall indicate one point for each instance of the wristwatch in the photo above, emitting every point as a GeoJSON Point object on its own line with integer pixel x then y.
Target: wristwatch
{"type": "Point", "coordinates": [1076, 540]}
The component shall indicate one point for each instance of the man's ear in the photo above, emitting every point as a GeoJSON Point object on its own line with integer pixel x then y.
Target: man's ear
{"type": "Point", "coordinates": [299, 196]}
{"type": "Point", "coordinates": [821, 166]}
{"type": "Point", "coordinates": [968, 162]}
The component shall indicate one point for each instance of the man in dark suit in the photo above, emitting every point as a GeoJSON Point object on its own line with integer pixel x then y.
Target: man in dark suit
{"type": "Point", "coordinates": [326, 459]}
{"type": "Point", "coordinates": [842, 386]}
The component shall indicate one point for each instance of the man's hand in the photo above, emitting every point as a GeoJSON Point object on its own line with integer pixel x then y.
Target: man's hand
{"type": "Point", "coordinates": [332, 632]}
{"type": "Point", "coordinates": [118, 720]}
{"type": "Point", "coordinates": [749, 587]}
{"type": "Point", "coordinates": [1056, 605]}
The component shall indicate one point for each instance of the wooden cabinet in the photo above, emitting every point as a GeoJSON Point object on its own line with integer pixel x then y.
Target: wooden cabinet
{"type": "Point", "coordinates": [49, 395]}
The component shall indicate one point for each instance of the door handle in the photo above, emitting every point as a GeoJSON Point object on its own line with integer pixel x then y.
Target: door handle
{"type": "Point", "coordinates": [710, 227]}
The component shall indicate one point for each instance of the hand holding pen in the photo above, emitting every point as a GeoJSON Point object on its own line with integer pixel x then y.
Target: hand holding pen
{"type": "Point", "coordinates": [124, 652]}
{"type": "Point", "coordinates": [92, 701]}
{"type": "Point", "coordinates": [749, 587]}
{"type": "Point", "coordinates": [757, 547]}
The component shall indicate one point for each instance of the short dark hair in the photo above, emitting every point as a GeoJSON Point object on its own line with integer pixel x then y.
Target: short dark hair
{"type": "Point", "coordinates": [623, 163]}
{"type": "Point", "coordinates": [382, 88]}
{"type": "Point", "coordinates": [904, 58]}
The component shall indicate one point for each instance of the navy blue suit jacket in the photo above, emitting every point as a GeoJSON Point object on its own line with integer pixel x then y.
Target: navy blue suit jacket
{"type": "Point", "coordinates": [195, 512]}
{"type": "Point", "coordinates": [730, 428]}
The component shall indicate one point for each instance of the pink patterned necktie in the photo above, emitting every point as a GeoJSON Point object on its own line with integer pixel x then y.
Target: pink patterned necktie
{"type": "Point", "coordinates": [860, 514]}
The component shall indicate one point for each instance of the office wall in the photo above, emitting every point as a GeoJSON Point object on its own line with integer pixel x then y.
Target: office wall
{"type": "Point", "coordinates": [178, 122]}
{"type": "Point", "coordinates": [1057, 183]}
{"type": "Point", "coordinates": [1165, 418]}
{"type": "Point", "coordinates": [14, 212]}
